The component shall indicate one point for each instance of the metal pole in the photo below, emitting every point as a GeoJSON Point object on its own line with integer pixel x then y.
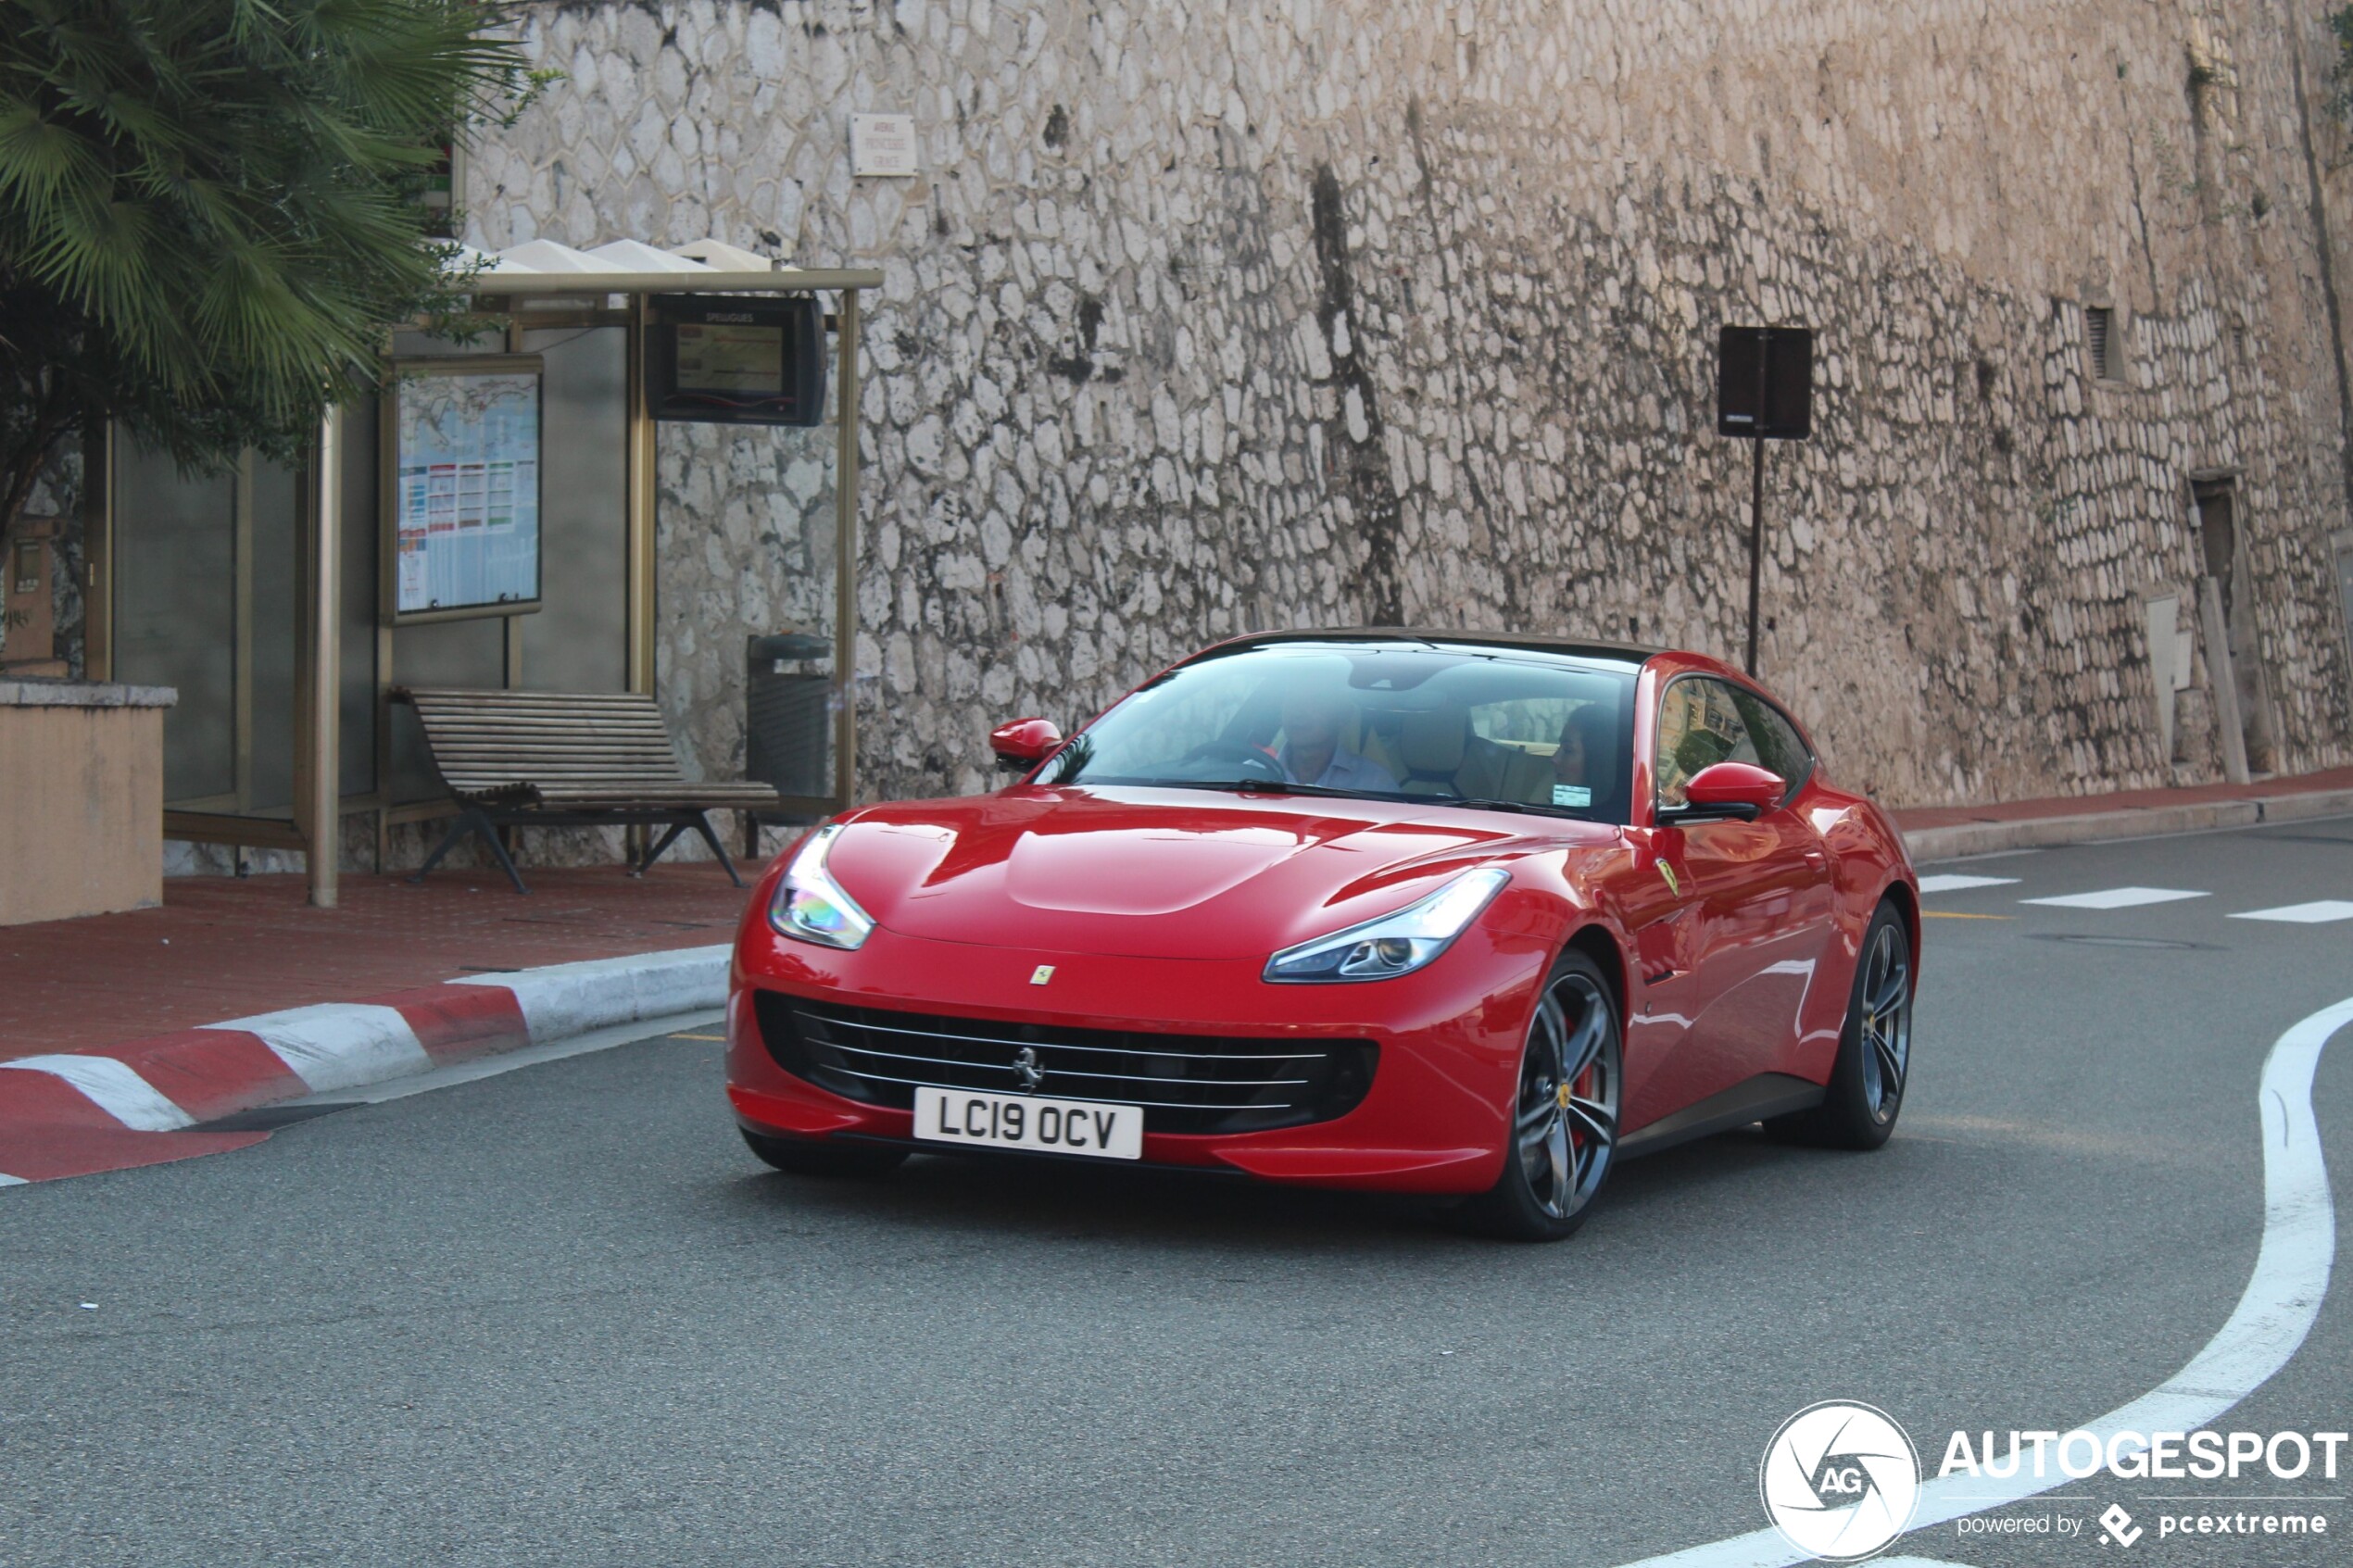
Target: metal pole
{"type": "Point", "coordinates": [1756, 546]}
{"type": "Point", "coordinates": [643, 533]}
{"type": "Point", "coordinates": [845, 557]}
{"type": "Point", "coordinates": [641, 525]}
{"type": "Point", "coordinates": [323, 799]}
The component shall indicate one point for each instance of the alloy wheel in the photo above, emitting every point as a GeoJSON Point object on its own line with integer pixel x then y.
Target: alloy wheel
{"type": "Point", "coordinates": [1886, 1023]}
{"type": "Point", "coordinates": [1567, 1113]}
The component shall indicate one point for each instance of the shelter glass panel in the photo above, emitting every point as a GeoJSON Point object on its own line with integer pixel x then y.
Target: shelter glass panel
{"type": "Point", "coordinates": [440, 653]}
{"type": "Point", "coordinates": [579, 639]}
{"type": "Point", "coordinates": [175, 611]}
{"type": "Point", "coordinates": [274, 579]}
{"type": "Point", "coordinates": [360, 606]}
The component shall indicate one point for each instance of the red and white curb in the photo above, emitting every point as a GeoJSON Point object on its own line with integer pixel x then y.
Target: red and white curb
{"type": "Point", "coordinates": [72, 1114]}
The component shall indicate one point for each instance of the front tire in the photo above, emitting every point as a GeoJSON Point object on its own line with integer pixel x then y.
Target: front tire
{"type": "Point", "coordinates": [818, 1156]}
{"type": "Point", "coordinates": [1865, 1090]}
{"type": "Point", "coordinates": [1564, 1124]}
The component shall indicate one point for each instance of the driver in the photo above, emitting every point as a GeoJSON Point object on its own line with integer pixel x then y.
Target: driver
{"type": "Point", "coordinates": [1312, 753]}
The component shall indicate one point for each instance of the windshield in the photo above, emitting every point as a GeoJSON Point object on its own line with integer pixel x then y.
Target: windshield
{"type": "Point", "coordinates": [1504, 727]}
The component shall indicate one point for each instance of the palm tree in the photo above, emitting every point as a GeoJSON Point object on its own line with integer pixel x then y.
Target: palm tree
{"type": "Point", "coordinates": [209, 210]}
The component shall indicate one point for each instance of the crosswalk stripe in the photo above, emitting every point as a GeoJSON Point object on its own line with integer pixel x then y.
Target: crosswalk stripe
{"type": "Point", "coordinates": [1952, 881]}
{"type": "Point", "coordinates": [2318, 912]}
{"type": "Point", "coordinates": [2116, 897]}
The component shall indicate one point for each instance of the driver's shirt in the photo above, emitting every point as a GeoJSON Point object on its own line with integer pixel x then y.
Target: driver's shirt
{"type": "Point", "coordinates": [1346, 770]}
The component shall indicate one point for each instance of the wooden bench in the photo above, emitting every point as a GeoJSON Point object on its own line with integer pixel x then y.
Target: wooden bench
{"type": "Point", "coordinates": [566, 759]}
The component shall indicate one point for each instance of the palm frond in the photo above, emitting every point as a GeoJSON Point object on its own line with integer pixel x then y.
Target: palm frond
{"type": "Point", "coordinates": [207, 208]}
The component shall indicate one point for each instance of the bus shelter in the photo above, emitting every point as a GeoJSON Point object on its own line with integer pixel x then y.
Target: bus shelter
{"type": "Point", "coordinates": [285, 602]}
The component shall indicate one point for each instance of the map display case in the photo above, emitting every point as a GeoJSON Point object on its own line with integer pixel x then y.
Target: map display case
{"type": "Point", "coordinates": [462, 471]}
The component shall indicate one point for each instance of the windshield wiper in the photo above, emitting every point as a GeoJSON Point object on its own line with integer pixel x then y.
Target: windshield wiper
{"type": "Point", "coordinates": [1278, 786]}
{"type": "Point", "coordinates": [1273, 786]}
{"type": "Point", "coordinates": [1523, 806]}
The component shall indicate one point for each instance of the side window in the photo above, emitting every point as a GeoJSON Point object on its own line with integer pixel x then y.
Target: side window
{"type": "Point", "coordinates": [1778, 748]}
{"type": "Point", "coordinates": [1699, 725]}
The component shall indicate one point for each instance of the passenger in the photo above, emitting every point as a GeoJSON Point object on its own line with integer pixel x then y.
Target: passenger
{"type": "Point", "coordinates": [1312, 753]}
{"type": "Point", "coordinates": [1585, 761]}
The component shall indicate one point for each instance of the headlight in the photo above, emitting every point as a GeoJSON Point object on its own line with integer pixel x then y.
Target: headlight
{"type": "Point", "coordinates": [811, 906]}
{"type": "Point", "coordinates": [1393, 945]}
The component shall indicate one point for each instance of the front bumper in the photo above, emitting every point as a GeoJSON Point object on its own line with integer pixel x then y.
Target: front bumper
{"type": "Point", "coordinates": [1435, 1117]}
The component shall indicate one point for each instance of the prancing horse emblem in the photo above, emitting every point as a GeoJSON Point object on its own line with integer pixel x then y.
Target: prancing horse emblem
{"type": "Point", "coordinates": [1026, 1068]}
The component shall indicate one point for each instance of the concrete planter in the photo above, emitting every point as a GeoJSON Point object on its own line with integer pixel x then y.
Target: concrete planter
{"type": "Point", "coordinates": [80, 798]}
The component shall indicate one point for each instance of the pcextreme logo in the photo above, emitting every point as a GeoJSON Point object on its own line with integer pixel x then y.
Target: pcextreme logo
{"type": "Point", "coordinates": [1840, 1480]}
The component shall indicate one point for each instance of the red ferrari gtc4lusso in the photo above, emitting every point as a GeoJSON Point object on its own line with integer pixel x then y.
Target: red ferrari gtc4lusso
{"type": "Point", "coordinates": [1423, 911]}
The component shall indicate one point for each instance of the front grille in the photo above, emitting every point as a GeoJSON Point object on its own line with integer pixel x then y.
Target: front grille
{"type": "Point", "coordinates": [1186, 1083]}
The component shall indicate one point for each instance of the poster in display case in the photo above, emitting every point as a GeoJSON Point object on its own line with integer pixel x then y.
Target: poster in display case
{"type": "Point", "coordinates": [462, 440]}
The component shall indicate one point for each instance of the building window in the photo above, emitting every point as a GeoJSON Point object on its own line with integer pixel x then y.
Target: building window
{"type": "Point", "coordinates": [2099, 343]}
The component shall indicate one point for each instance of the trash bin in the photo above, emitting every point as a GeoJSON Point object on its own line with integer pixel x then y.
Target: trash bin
{"type": "Point", "coordinates": [788, 713]}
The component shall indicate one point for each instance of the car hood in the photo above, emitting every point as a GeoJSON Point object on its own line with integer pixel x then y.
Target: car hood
{"type": "Point", "coordinates": [1163, 872]}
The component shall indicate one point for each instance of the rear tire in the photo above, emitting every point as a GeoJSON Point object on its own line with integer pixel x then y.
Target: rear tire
{"type": "Point", "coordinates": [1866, 1091]}
{"type": "Point", "coordinates": [818, 1156]}
{"type": "Point", "coordinates": [1563, 1130]}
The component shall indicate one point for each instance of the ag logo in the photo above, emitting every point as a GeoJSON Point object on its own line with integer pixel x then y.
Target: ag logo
{"type": "Point", "coordinates": [1840, 1481]}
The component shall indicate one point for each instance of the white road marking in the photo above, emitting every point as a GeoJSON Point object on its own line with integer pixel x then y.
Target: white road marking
{"type": "Point", "coordinates": [8, 1181]}
{"type": "Point", "coordinates": [1953, 882]}
{"type": "Point", "coordinates": [1914, 1562]}
{"type": "Point", "coordinates": [2318, 912]}
{"type": "Point", "coordinates": [335, 1045]}
{"type": "Point", "coordinates": [2274, 1314]}
{"type": "Point", "coordinates": [113, 1088]}
{"type": "Point", "coordinates": [2117, 897]}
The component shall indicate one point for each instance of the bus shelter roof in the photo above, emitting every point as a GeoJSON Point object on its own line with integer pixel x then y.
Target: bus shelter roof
{"type": "Point", "coordinates": [543, 267]}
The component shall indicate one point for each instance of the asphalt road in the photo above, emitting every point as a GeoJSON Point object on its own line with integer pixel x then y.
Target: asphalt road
{"type": "Point", "coordinates": [559, 1315]}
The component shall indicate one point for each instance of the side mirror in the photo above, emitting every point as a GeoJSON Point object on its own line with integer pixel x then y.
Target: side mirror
{"type": "Point", "coordinates": [1024, 744]}
{"type": "Point", "coordinates": [1727, 790]}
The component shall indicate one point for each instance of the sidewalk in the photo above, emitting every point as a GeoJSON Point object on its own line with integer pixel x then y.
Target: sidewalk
{"type": "Point", "coordinates": [1941, 833]}
{"type": "Point", "coordinates": [225, 948]}
{"type": "Point", "coordinates": [122, 1036]}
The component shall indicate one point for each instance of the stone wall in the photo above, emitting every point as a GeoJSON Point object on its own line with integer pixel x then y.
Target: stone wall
{"type": "Point", "coordinates": [1203, 318]}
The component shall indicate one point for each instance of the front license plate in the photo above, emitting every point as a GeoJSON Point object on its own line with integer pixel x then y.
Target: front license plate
{"type": "Point", "coordinates": [1049, 1127]}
